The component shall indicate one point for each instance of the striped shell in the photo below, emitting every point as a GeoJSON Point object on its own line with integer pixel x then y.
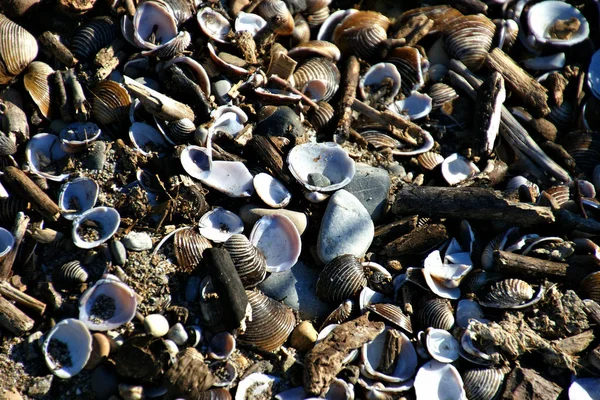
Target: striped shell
{"type": "Point", "coordinates": [340, 315]}
{"type": "Point", "coordinates": [584, 147]}
{"type": "Point", "coordinates": [189, 376]}
{"type": "Point", "coordinates": [440, 14]}
{"type": "Point", "coordinates": [271, 323]}
{"type": "Point", "coordinates": [110, 103]}
{"type": "Point", "coordinates": [93, 36]}
{"type": "Point", "coordinates": [590, 287]}
{"type": "Point", "coordinates": [561, 194]}
{"type": "Point", "coordinates": [508, 293]}
{"type": "Point", "coordinates": [171, 48]}
{"type": "Point", "coordinates": [430, 160]}
{"type": "Point", "coordinates": [9, 207]}
{"type": "Point", "coordinates": [249, 262]}
{"type": "Point", "coordinates": [182, 10]}
{"type": "Point", "coordinates": [277, 15]}
{"type": "Point", "coordinates": [380, 140]}
{"type": "Point", "coordinates": [315, 48]}
{"type": "Point", "coordinates": [393, 314]}
{"type": "Point", "coordinates": [181, 130]}
{"type": "Point", "coordinates": [70, 273]}
{"type": "Point", "coordinates": [469, 39]}
{"type": "Point", "coordinates": [37, 82]}
{"type": "Point", "coordinates": [441, 93]}
{"type": "Point", "coordinates": [215, 394]}
{"type": "Point", "coordinates": [301, 33]}
{"type": "Point", "coordinates": [482, 383]}
{"type": "Point", "coordinates": [342, 278]}
{"type": "Point", "coordinates": [436, 313]}
{"type": "Point", "coordinates": [7, 145]}
{"type": "Point", "coordinates": [318, 16]}
{"type": "Point", "coordinates": [189, 246]}
{"type": "Point", "coordinates": [17, 49]}
{"type": "Point", "coordinates": [318, 69]}
{"type": "Point", "coordinates": [412, 65]}
{"type": "Point", "coordinates": [321, 118]}
{"type": "Point", "coordinates": [360, 33]}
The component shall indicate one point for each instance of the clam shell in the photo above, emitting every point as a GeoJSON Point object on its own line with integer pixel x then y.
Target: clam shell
{"type": "Point", "coordinates": [220, 224]}
{"type": "Point", "coordinates": [221, 346]}
{"type": "Point", "coordinates": [380, 140]}
{"type": "Point", "coordinates": [430, 160]}
{"type": "Point", "coordinates": [378, 75]}
{"type": "Point", "coordinates": [277, 15]}
{"type": "Point", "coordinates": [466, 310]}
{"type": "Point", "coordinates": [392, 314]}
{"type": "Point", "coordinates": [416, 106]}
{"type": "Point", "coordinates": [441, 93]}
{"type": "Point", "coordinates": [77, 339]}
{"type": "Point", "coordinates": [181, 130]}
{"type": "Point", "coordinates": [146, 139]}
{"type": "Point", "coordinates": [173, 47]}
{"type": "Point", "coordinates": [18, 48]}
{"type": "Point", "coordinates": [508, 293]}
{"type": "Point", "coordinates": [77, 136]}
{"type": "Point", "coordinates": [412, 66]}
{"type": "Point", "coordinates": [440, 14]}
{"type": "Point", "coordinates": [456, 169]}
{"type": "Point", "coordinates": [189, 376]}
{"type": "Point", "coordinates": [70, 273]}
{"type": "Point", "coordinates": [271, 323]}
{"type": "Point", "coordinates": [441, 345]}
{"type": "Point", "coordinates": [340, 315]}
{"type": "Point", "coordinates": [248, 22]}
{"type": "Point", "coordinates": [105, 222]}
{"type": "Point", "coordinates": [318, 17]}
{"type": "Point", "coordinates": [110, 103]}
{"type": "Point", "coordinates": [278, 239]}
{"type": "Point", "coordinates": [93, 36]}
{"type": "Point", "coordinates": [328, 26]}
{"type": "Point", "coordinates": [318, 69]}
{"type": "Point", "coordinates": [37, 83]}
{"type": "Point", "coordinates": [301, 32]}
{"type": "Point", "coordinates": [584, 147]}
{"type": "Point", "coordinates": [213, 24]}
{"type": "Point", "coordinates": [361, 32]}
{"type": "Point", "coordinates": [197, 161]}
{"type": "Point", "coordinates": [542, 16]}
{"type": "Point", "coordinates": [436, 380]}
{"type": "Point", "coordinates": [483, 383]}
{"type": "Point", "coordinates": [7, 242]}
{"type": "Point", "coordinates": [151, 22]}
{"type": "Point", "coordinates": [322, 118]}
{"type": "Point", "coordinates": [189, 246]}
{"type": "Point", "coordinates": [231, 178]}
{"type": "Point", "coordinates": [271, 191]}
{"type": "Point", "coordinates": [315, 48]}
{"type": "Point", "coordinates": [436, 313]}
{"type": "Point", "coordinates": [8, 146]}
{"type": "Point", "coordinates": [249, 262]}
{"type": "Point", "coordinates": [41, 152]}
{"type": "Point", "coordinates": [372, 353]}
{"type": "Point", "coordinates": [77, 196]}
{"type": "Point", "coordinates": [590, 286]}
{"type": "Point", "coordinates": [341, 278]}
{"type": "Point", "coordinates": [256, 385]}
{"type": "Point", "coordinates": [469, 39]}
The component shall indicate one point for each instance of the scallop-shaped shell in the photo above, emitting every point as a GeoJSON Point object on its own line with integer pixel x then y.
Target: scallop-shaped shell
{"type": "Point", "coordinates": [544, 20]}
{"type": "Point", "coordinates": [77, 196]}
{"type": "Point", "coordinates": [315, 48]}
{"type": "Point", "coordinates": [560, 193]}
{"type": "Point", "coordinates": [110, 103]}
{"type": "Point", "coordinates": [37, 82]}
{"type": "Point", "coordinates": [508, 293]}
{"type": "Point", "coordinates": [18, 48]}
{"type": "Point", "coordinates": [77, 136]}
{"type": "Point", "coordinates": [483, 383]}
{"type": "Point", "coordinates": [181, 130]}
{"type": "Point", "coordinates": [93, 36]}
{"type": "Point", "coordinates": [342, 278]}
{"type": "Point", "coordinates": [271, 323]}
{"type": "Point", "coordinates": [392, 314]}
{"type": "Point", "coordinates": [456, 169]}
{"type": "Point", "coordinates": [318, 69]}
{"type": "Point", "coordinates": [107, 305]}
{"type": "Point", "coordinates": [249, 262]}
{"type": "Point", "coordinates": [213, 24]}
{"type": "Point", "coordinates": [441, 93]}
{"type": "Point", "coordinates": [361, 32]}
{"type": "Point", "coordinates": [70, 335]}
{"type": "Point", "coordinates": [322, 118]}
{"type": "Point", "coordinates": [271, 191]}
{"type": "Point", "coordinates": [412, 65]}
{"type": "Point", "coordinates": [436, 313]}
{"type": "Point", "coordinates": [190, 376]}
{"type": "Point", "coordinates": [173, 47]}
{"type": "Point", "coordinates": [380, 140]}
{"type": "Point", "coordinates": [340, 315]}
{"type": "Point", "coordinates": [436, 380]}
{"type": "Point", "coordinates": [430, 160]}
{"type": "Point", "coordinates": [277, 15]}
{"type": "Point", "coordinates": [189, 246]}
{"type": "Point", "coordinates": [584, 147]}
{"type": "Point", "coordinates": [278, 239]}
{"type": "Point", "coordinates": [8, 145]}
{"type": "Point", "coordinates": [70, 273]}
{"type": "Point", "coordinates": [41, 152]}
{"type": "Point", "coordinates": [220, 224]}
{"type": "Point", "coordinates": [95, 226]}
{"type": "Point", "coordinates": [469, 39]}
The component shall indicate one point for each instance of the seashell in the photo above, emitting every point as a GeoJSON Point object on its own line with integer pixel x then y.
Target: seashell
{"type": "Point", "coordinates": [373, 353]}
{"type": "Point", "coordinates": [42, 152]}
{"type": "Point", "coordinates": [430, 160]}
{"type": "Point", "coordinates": [412, 65]}
{"type": "Point", "coordinates": [189, 246]}
{"type": "Point", "coordinates": [93, 36]}
{"type": "Point", "coordinates": [340, 389]}
{"type": "Point", "coordinates": [228, 67]}
{"type": "Point", "coordinates": [315, 48]}
{"type": "Point", "coordinates": [301, 32]}
{"type": "Point", "coordinates": [516, 182]}
{"type": "Point", "coordinates": [229, 120]}
{"type": "Point", "coordinates": [380, 140]}
{"type": "Point", "coordinates": [213, 24]}
{"type": "Point", "coordinates": [584, 388]}
{"type": "Point", "coordinates": [382, 79]}
{"type": "Point", "coordinates": [271, 191]}
{"type": "Point", "coordinates": [584, 147]}
{"type": "Point", "coordinates": [416, 106]}
{"type": "Point", "coordinates": [281, 121]}
{"type": "Point", "coordinates": [483, 383]}
{"type": "Point", "coordinates": [7, 242]}
{"type": "Point", "coordinates": [327, 159]}
{"type": "Point", "coordinates": [278, 240]}
{"type": "Point", "coordinates": [189, 376]}
{"type": "Point", "coordinates": [340, 315]}
{"type": "Point", "coordinates": [8, 146]}
{"type": "Point", "coordinates": [38, 85]}
{"type": "Point", "coordinates": [547, 63]}
{"type": "Point", "coordinates": [441, 345]}
{"type": "Point", "coordinates": [593, 75]}
{"type": "Point", "coordinates": [436, 313]}
{"type": "Point", "coordinates": [110, 103]}
{"type": "Point", "coordinates": [77, 136]}
{"type": "Point", "coordinates": [231, 178]}
{"type": "Point", "coordinates": [171, 48]}
{"type": "Point", "coordinates": [181, 131]}
{"type": "Point", "coordinates": [196, 71]}
{"type": "Point", "coordinates": [560, 193]}
{"type": "Point", "coordinates": [221, 346]}
{"type": "Point", "coordinates": [153, 25]}
{"type": "Point", "coordinates": [507, 293]}
{"type": "Point", "coordinates": [146, 139]}
{"type": "Point", "coordinates": [469, 39]}
{"type": "Point", "coordinates": [18, 48]}
{"type": "Point", "coordinates": [322, 118]}
{"type": "Point", "coordinates": [456, 169]}
{"type": "Point", "coordinates": [360, 33]}
{"type": "Point", "coordinates": [277, 15]}
{"type": "Point", "coordinates": [392, 314]}
{"type": "Point", "coordinates": [341, 278]}
{"type": "Point", "coordinates": [440, 93]}
{"type": "Point", "coordinates": [328, 26]}
{"type": "Point", "coordinates": [67, 348]}
{"type": "Point", "coordinates": [107, 305]}
{"type": "Point", "coordinates": [220, 224]}
{"type": "Point", "coordinates": [271, 322]}
{"type": "Point", "coordinates": [368, 296]}
{"type": "Point", "coordinates": [196, 161]}
{"type": "Point", "coordinates": [248, 22]}
{"type": "Point", "coordinates": [249, 262]}
{"type": "Point", "coordinates": [95, 226]}
{"type": "Point", "coordinates": [225, 373]}
{"type": "Point", "coordinates": [77, 196]}
{"type": "Point", "coordinates": [436, 380]}
{"type": "Point", "coordinates": [256, 385]}
{"type": "Point", "coordinates": [466, 310]}
{"type": "Point", "coordinates": [315, 70]}
{"type": "Point", "coordinates": [589, 286]}
{"type": "Point", "coordinates": [556, 23]}
{"type": "Point", "coordinates": [562, 116]}
{"type": "Point", "coordinates": [215, 394]}
{"type": "Point", "coordinates": [440, 14]}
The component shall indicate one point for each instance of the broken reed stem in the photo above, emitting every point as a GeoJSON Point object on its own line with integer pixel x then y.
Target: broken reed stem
{"type": "Point", "coordinates": [61, 97]}
{"type": "Point", "coordinates": [22, 299]}
{"type": "Point", "coordinates": [80, 104]}
{"type": "Point", "coordinates": [505, 261]}
{"type": "Point", "coordinates": [348, 96]}
{"type": "Point", "coordinates": [18, 232]}
{"type": "Point", "coordinates": [157, 103]}
{"type": "Point", "coordinates": [12, 319]}
{"type": "Point", "coordinates": [23, 186]}
{"type": "Point", "coordinates": [53, 46]}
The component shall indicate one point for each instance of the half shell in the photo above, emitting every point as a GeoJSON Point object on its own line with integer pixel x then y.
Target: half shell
{"type": "Point", "coordinates": [77, 196]}
{"type": "Point", "coordinates": [361, 32]}
{"type": "Point", "coordinates": [341, 278]}
{"type": "Point", "coordinates": [43, 151]}
{"type": "Point", "coordinates": [37, 83]}
{"type": "Point", "coordinates": [469, 39]}
{"type": "Point", "coordinates": [189, 246]}
{"type": "Point", "coordinates": [95, 226]}
{"type": "Point", "coordinates": [70, 335]}
{"type": "Point", "coordinates": [436, 380]}
{"type": "Point", "coordinates": [220, 224]}
{"type": "Point", "coordinates": [249, 262]}
{"type": "Point", "coordinates": [278, 239]}
{"type": "Point", "coordinates": [556, 23]}
{"type": "Point", "coordinates": [271, 191]}
{"type": "Point", "coordinates": [18, 48]}
{"type": "Point", "coordinates": [374, 352]}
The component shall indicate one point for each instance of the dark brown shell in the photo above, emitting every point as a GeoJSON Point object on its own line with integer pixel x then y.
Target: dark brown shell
{"type": "Point", "coordinates": [393, 314]}
{"type": "Point", "coordinates": [360, 33]}
{"type": "Point", "coordinates": [412, 65]}
{"type": "Point", "coordinates": [93, 36]}
{"type": "Point", "coordinates": [469, 39]}
{"type": "Point", "coordinates": [436, 313]}
{"type": "Point", "coordinates": [590, 287]}
{"type": "Point", "coordinates": [189, 245]}
{"type": "Point", "coordinates": [342, 278]}
{"type": "Point", "coordinates": [189, 376]}
{"type": "Point", "coordinates": [584, 147]}
{"type": "Point", "coordinates": [271, 324]}
{"type": "Point", "coordinates": [249, 262]}
{"type": "Point", "coordinates": [110, 103]}
{"type": "Point", "coordinates": [322, 118]}
{"type": "Point", "coordinates": [508, 293]}
{"type": "Point", "coordinates": [7, 145]}
{"type": "Point", "coordinates": [340, 315]}
{"type": "Point", "coordinates": [70, 273]}
{"type": "Point", "coordinates": [482, 383]}
{"type": "Point", "coordinates": [18, 48]}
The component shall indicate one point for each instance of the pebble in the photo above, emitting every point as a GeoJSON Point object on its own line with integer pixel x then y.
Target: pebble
{"type": "Point", "coordinates": [317, 179]}
{"type": "Point", "coordinates": [137, 241]}
{"type": "Point", "coordinates": [250, 213]}
{"type": "Point", "coordinates": [304, 336]}
{"type": "Point", "coordinates": [171, 346]}
{"type": "Point", "coordinates": [96, 156]}
{"type": "Point", "coordinates": [221, 90]}
{"type": "Point", "coordinates": [156, 325]}
{"type": "Point", "coordinates": [397, 170]}
{"type": "Point", "coordinates": [283, 122]}
{"type": "Point", "coordinates": [100, 351]}
{"type": "Point", "coordinates": [178, 334]}
{"type": "Point", "coordinates": [371, 187]}
{"type": "Point", "coordinates": [104, 382]}
{"type": "Point", "coordinates": [40, 386]}
{"type": "Point", "coordinates": [118, 252]}
{"type": "Point", "coordinates": [346, 228]}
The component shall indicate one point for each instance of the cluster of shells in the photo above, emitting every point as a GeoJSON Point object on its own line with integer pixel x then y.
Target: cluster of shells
{"type": "Point", "coordinates": [224, 133]}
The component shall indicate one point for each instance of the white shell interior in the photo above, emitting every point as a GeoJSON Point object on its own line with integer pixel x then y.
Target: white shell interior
{"type": "Point", "coordinates": [328, 159]}
{"type": "Point", "coordinates": [436, 380]}
{"type": "Point", "coordinates": [146, 17]}
{"type": "Point", "coordinates": [78, 135]}
{"type": "Point", "coordinates": [78, 340]}
{"type": "Point", "coordinates": [328, 27]}
{"type": "Point", "coordinates": [278, 239]}
{"type": "Point", "coordinates": [376, 74]}
{"type": "Point", "coordinates": [417, 105]}
{"type": "Point", "coordinates": [196, 161]}
{"type": "Point", "coordinates": [585, 389]}
{"type": "Point", "coordinates": [433, 263]}
{"type": "Point", "coordinates": [248, 22]}
{"type": "Point", "coordinates": [406, 366]}
{"type": "Point", "coordinates": [124, 301]}
{"type": "Point", "coordinates": [146, 138]}
{"type": "Point", "coordinates": [220, 224]}
{"type": "Point", "coordinates": [77, 196]}
{"type": "Point", "coordinates": [368, 296]}
{"type": "Point", "coordinates": [256, 385]}
{"type": "Point", "coordinates": [106, 218]}
{"type": "Point", "coordinates": [7, 241]}
{"type": "Point", "coordinates": [315, 89]}
{"type": "Point", "coordinates": [43, 149]}
{"type": "Point", "coordinates": [271, 191]}
{"type": "Point", "coordinates": [213, 24]}
{"type": "Point", "coordinates": [543, 15]}
{"type": "Point", "coordinates": [456, 169]}
{"type": "Point", "coordinates": [441, 345]}
{"type": "Point", "coordinates": [221, 346]}
{"type": "Point", "coordinates": [231, 178]}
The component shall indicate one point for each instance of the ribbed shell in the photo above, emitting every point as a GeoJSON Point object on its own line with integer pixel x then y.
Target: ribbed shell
{"type": "Point", "coordinates": [110, 103]}
{"type": "Point", "coordinates": [393, 314]}
{"type": "Point", "coordinates": [316, 18]}
{"type": "Point", "coordinates": [430, 160]}
{"type": "Point", "coordinates": [70, 273]}
{"type": "Point", "coordinates": [93, 36]}
{"type": "Point", "coordinates": [584, 147]}
{"type": "Point", "coordinates": [181, 131]}
{"type": "Point", "coordinates": [360, 33]}
{"type": "Point", "coordinates": [17, 49]}
{"type": "Point", "coordinates": [272, 322]}
{"type": "Point", "coordinates": [301, 31]}
{"type": "Point", "coordinates": [441, 93]}
{"type": "Point", "coordinates": [189, 376]}
{"type": "Point", "coordinates": [182, 10]}
{"type": "Point", "coordinates": [340, 315]}
{"type": "Point", "coordinates": [482, 383]}
{"type": "Point", "coordinates": [322, 117]}
{"type": "Point", "coordinates": [412, 66]}
{"type": "Point", "coordinates": [7, 145]}
{"type": "Point", "coordinates": [469, 38]}
{"type": "Point", "coordinates": [590, 287]}
{"type": "Point", "coordinates": [189, 246]}
{"type": "Point", "coordinates": [380, 140]}
{"type": "Point", "coordinates": [172, 48]}
{"type": "Point", "coordinates": [342, 278]}
{"type": "Point", "coordinates": [215, 394]}
{"type": "Point", "coordinates": [562, 116]}
{"type": "Point", "coordinates": [477, 279]}
{"type": "Point", "coordinates": [37, 83]}
{"type": "Point", "coordinates": [436, 313]}
{"type": "Point", "coordinates": [249, 262]}
{"type": "Point", "coordinates": [316, 48]}
{"type": "Point", "coordinates": [561, 194]}
{"type": "Point", "coordinates": [508, 293]}
{"type": "Point", "coordinates": [277, 15]}
{"type": "Point", "coordinates": [10, 207]}
{"type": "Point", "coordinates": [318, 68]}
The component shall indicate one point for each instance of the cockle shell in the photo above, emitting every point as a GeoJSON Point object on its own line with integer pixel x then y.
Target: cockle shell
{"type": "Point", "coordinates": [541, 20]}
{"type": "Point", "coordinates": [18, 48]}
{"type": "Point", "coordinates": [381, 75]}
{"type": "Point", "coordinates": [333, 20]}
{"type": "Point", "coordinates": [77, 196]}
{"type": "Point", "coordinates": [508, 293]}
{"type": "Point", "coordinates": [93, 36]}
{"type": "Point", "coordinates": [70, 273]}
{"type": "Point", "coordinates": [248, 22]}
{"type": "Point", "coordinates": [42, 151]}
{"type": "Point", "coordinates": [438, 381]}
{"type": "Point", "coordinates": [318, 70]}
{"type": "Point", "coordinates": [37, 82]}
{"type": "Point", "coordinates": [189, 246]}
{"type": "Point", "coordinates": [315, 48]}
{"type": "Point", "coordinates": [146, 139]}
{"type": "Point", "coordinates": [412, 65]}
{"type": "Point", "coordinates": [342, 278]}
{"type": "Point", "coordinates": [256, 385]}
{"type": "Point", "coordinates": [441, 345]}
{"type": "Point", "coordinates": [213, 24]}
{"type": "Point", "coordinates": [153, 25]}
{"type": "Point", "coordinates": [78, 342]}
{"type": "Point", "coordinates": [249, 262]}
{"type": "Point", "coordinates": [220, 224]}
{"type": "Point", "coordinates": [271, 191]}
{"type": "Point", "coordinates": [372, 354]}
{"type": "Point", "coordinates": [277, 15]}
{"type": "Point", "coordinates": [110, 103]}
{"type": "Point", "coordinates": [469, 38]}
{"type": "Point", "coordinates": [77, 136]}
{"type": "Point", "coordinates": [361, 32]}
{"type": "Point", "coordinates": [482, 383]}
{"type": "Point", "coordinates": [436, 313]}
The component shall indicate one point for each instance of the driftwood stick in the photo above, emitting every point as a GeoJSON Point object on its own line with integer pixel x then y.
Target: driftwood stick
{"type": "Point", "coordinates": [13, 319]}
{"type": "Point", "coordinates": [61, 97]}
{"type": "Point", "coordinates": [23, 186]}
{"type": "Point", "coordinates": [157, 103]}
{"type": "Point", "coordinates": [108, 59]}
{"type": "Point", "coordinates": [80, 104]}
{"type": "Point", "coordinates": [18, 231]}
{"type": "Point", "coordinates": [468, 203]}
{"type": "Point", "coordinates": [22, 299]}
{"type": "Point", "coordinates": [415, 29]}
{"type": "Point", "coordinates": [53, 46]}
{"type": "Point", "coordinates": [292, 89]}
{"type": "Point", "coordinates": [348, 96]}
{"type": "Point", "coordinates": [505, 261]}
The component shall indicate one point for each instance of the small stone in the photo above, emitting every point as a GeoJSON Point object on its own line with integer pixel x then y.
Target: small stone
{"type": "Point", "coordinates": [283, 122]}
{"type": "Point", "coordinates": [156, 325]}
{"type": "Point", "coordinates": [371, 186]}
{"type": "Point", "coordinates": [178, 334]}
{"type": "Point", "coordinates": [118, 252]}
{"type": "Point", "coordinates": [95, 158]}
{"type": "Point", "coordinates": [172, 347]}
{"type": "Point", "coordinates": [304, 336]}
{"type": "Point", "coordinates": [397, 170]}
{"type": "Point", "coordinates": [317, 179]}
{"type": "Point", "coordinates": [100, 351]}
{"type": "Point", "coordinates": [137, 241]}
{"type": "Point", "coordinates": [346, 228]}
{"type": "Point", "coordinates": [131, 392]}
{"type": "Point", "coordinates": [32, 351]}
{"type": "Point", "coordinates": [104, 382]}
{"type": "Point", "coordinates": [250, 213]}
{"type": "Point", "coordinates": [192, 288]}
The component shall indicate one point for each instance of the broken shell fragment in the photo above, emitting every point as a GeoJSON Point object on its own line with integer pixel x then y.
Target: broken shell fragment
{"type": "Point", "coordinates": [271, 191]}
{"type": "Point", "coordinates": [278, 239]}
{"type": "Point", "coordinates": [77, 196]}
{"type": "Point", "coordinates": [67, 348]}
{"type": "Point", "coordinates": [78, 136]}
{"type": "Point", "coordinates": [43, 151]}
{"type": "Point", "coordinates": [196, 161]}
{"type": "Point", "coordinates": [95, 226]}
{"type": "Point", "coordinates": [37, 82]}
{"type": "Point", "coordinates": [456, 169]}
{"type": "Point", "coordinates": [220, 224]}
{"type": "Point", "coordinates": [437, 381]}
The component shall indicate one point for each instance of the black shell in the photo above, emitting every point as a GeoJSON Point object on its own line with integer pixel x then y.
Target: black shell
{"type": "Point", "coordinates": [342, 278]}
{"type": "Point", "coordinates": [482, 383]}
{"type": "Point", "coordinates": [436, 313]}
{"type": "Point", "coordinates": [91, 37]}
{"type": "Point", "coordinates": [249, 262]}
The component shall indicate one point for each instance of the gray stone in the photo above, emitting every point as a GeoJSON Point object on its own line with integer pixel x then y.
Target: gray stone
{"type": "Point", "coordinates": [118, 252]}
{"type": "Point", "coordinates": [156, 325]}
{"type": "Point", "coordinates": [371, 187]}
{"type": "Point", "coordinates": [192, 288]}
{"type": "Point", "coordinates": [250, 213]}
{"type": "Point", "coordinates": [95, 158]}
{"type": "Point", "coordinates": [137, 241]}
{"type": "Point", "coordinates": [346, 227]}
{"type": "Point", "coordinates": [296, 287]}
{"type": "Point", "coordinates": [178, 334]}
{"type": "Point", "coordinates": [40, 386]}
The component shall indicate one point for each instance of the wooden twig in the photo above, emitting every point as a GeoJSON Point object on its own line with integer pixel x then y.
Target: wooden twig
{"type": "Point", "coordinates": [157, 103]}
{"type": "Point", "coordinates": [23, 186]}
{"type": "Point", "coordinates": [18, 231]}
{"type": "Point", "coordinates": [53, 46]}
{"type": "Point", "coordinates": [292, 89]}
{"type": "Point", "coordinates": [505, 261]}
{"type": "Point", "coordinates": [348, 95]}
{"type": "Point", "coordinates": [22, 299]}
{"type": "Point", "coordinates": [80, 104]}
{"type": "Point", "coordinates": [13, 319]}
{"type": "Point", "coordinates": [61, 97]}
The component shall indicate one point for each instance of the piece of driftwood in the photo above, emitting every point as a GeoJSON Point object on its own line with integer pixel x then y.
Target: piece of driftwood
{"type": "Point", "coordinates": [157, 103]}
{"type": "Point", "coordinates": [417, 242]}
{"type": "Point", "coordinates": [349, 86]}
{"type": "Point", "coordinates": [523, 383]}
{"type": "Point", "coordinates": [468, 203]}
{"type": "Point", "coordinates": [14, 119]}
{"type": "Point", "coordinates": [414, 29]}
{"type": "Point", "coordinates": [18, 231]}
{"type": "Point", "coordinates": [574, 344]}
{"type": "Point", "coordinates": [268, 153]}
{"type": "Point", "coordinates": [81, 105]}
{"type": "Point", "coordinates": [12, 319]}
{"type": "Point", "coordinates": [22, 299]}
{"type": "Point", "coordinates": [505, 261]}
{"type": "Point", "coordinates": [53, 46]}
{"type": "Point", "coordinates": [23, 186]}
{"type": "Point", "coordinates": [61, 97]}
